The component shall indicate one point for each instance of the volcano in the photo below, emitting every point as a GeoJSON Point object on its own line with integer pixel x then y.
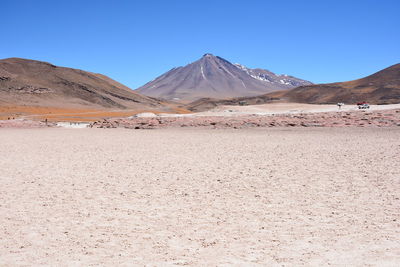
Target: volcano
{"type": "Point", "coordinates": [214, 77]}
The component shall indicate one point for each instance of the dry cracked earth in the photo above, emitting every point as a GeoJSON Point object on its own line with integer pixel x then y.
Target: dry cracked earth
{"type": "Point", "coordinates": [249, 197]}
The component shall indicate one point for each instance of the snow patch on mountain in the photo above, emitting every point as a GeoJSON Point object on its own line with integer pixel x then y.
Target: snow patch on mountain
{"type": "Point", "coordinates": [270, 77]}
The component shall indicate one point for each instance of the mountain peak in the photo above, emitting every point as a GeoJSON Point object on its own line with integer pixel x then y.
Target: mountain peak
{"type": "Point", "coordinates": [215, 77]}
{"type": "Point", "coordinates": [208, 55]}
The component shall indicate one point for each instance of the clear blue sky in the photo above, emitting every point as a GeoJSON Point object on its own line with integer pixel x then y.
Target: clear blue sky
{"type": "Point", "coordinates": [135, 41]}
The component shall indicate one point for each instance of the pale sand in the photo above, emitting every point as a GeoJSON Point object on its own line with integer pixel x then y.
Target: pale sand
{"type": "Point", "coordinates": [285, 108]}
{"type": "Point", "coordinates": [200, 197]}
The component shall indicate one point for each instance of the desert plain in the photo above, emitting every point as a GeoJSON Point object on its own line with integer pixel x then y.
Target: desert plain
{"type": "Point", "coordinates": [201, 197]}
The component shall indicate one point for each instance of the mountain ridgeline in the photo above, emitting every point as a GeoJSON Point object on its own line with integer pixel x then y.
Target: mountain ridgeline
{"type": "Point", "coordinates": [201, 85]}
{"type": "Point", "coordinates": [382, 87]}
{"type": "Point", "coordinates": [215, 77]}
{"type": "Point", "coordinates": [36, 83]}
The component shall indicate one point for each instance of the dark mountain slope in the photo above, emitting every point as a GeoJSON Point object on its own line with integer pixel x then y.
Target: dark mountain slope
{"type": "Point", "coordinates": [30, 82]}
{"type": "Point", "coordinates": [382, 87]}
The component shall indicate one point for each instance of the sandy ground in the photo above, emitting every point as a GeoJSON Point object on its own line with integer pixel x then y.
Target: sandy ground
{"type": "Point", "coordinates": [285, 108]}
{"type": "Point", "coordinates": [249, 197]}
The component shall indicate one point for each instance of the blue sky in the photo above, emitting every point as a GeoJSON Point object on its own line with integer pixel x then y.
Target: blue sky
{"type": "Point", "coordinates": [135, 41]}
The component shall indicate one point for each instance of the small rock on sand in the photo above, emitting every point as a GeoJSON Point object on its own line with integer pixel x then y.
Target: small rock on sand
{"type": "Point", "coordinates": [144, 115]}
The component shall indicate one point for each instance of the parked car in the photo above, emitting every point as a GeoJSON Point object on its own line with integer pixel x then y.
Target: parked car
{"type": "Point", "coordinates": [363, 105]}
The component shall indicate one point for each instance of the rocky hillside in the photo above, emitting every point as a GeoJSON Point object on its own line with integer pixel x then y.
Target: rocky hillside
{"type": "Point", "coordinates": [26, 82]}
{"type": "Point", "coordinates": [382, 87]}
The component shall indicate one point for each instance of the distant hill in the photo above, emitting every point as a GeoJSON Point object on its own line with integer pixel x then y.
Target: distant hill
{"type": "Point", "coordinates": [382, 87]}
{"type": "Point", "coordinates": [35, 83]}
{"type": "Point", "coordinates": [204, 104]}
{"type": "Point", "coordinates": [215, 77]}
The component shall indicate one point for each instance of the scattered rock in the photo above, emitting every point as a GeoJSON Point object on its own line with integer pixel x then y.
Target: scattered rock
{"type": "Point", "coordinates": [328, 119]}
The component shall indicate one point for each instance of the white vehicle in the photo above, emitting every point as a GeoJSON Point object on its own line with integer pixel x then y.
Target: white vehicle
{"type": "Point", "coordinates": [363, 105]}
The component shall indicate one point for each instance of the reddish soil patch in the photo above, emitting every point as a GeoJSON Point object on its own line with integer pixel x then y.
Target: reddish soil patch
{"type": "Point", "coordinates": [69, 114]}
